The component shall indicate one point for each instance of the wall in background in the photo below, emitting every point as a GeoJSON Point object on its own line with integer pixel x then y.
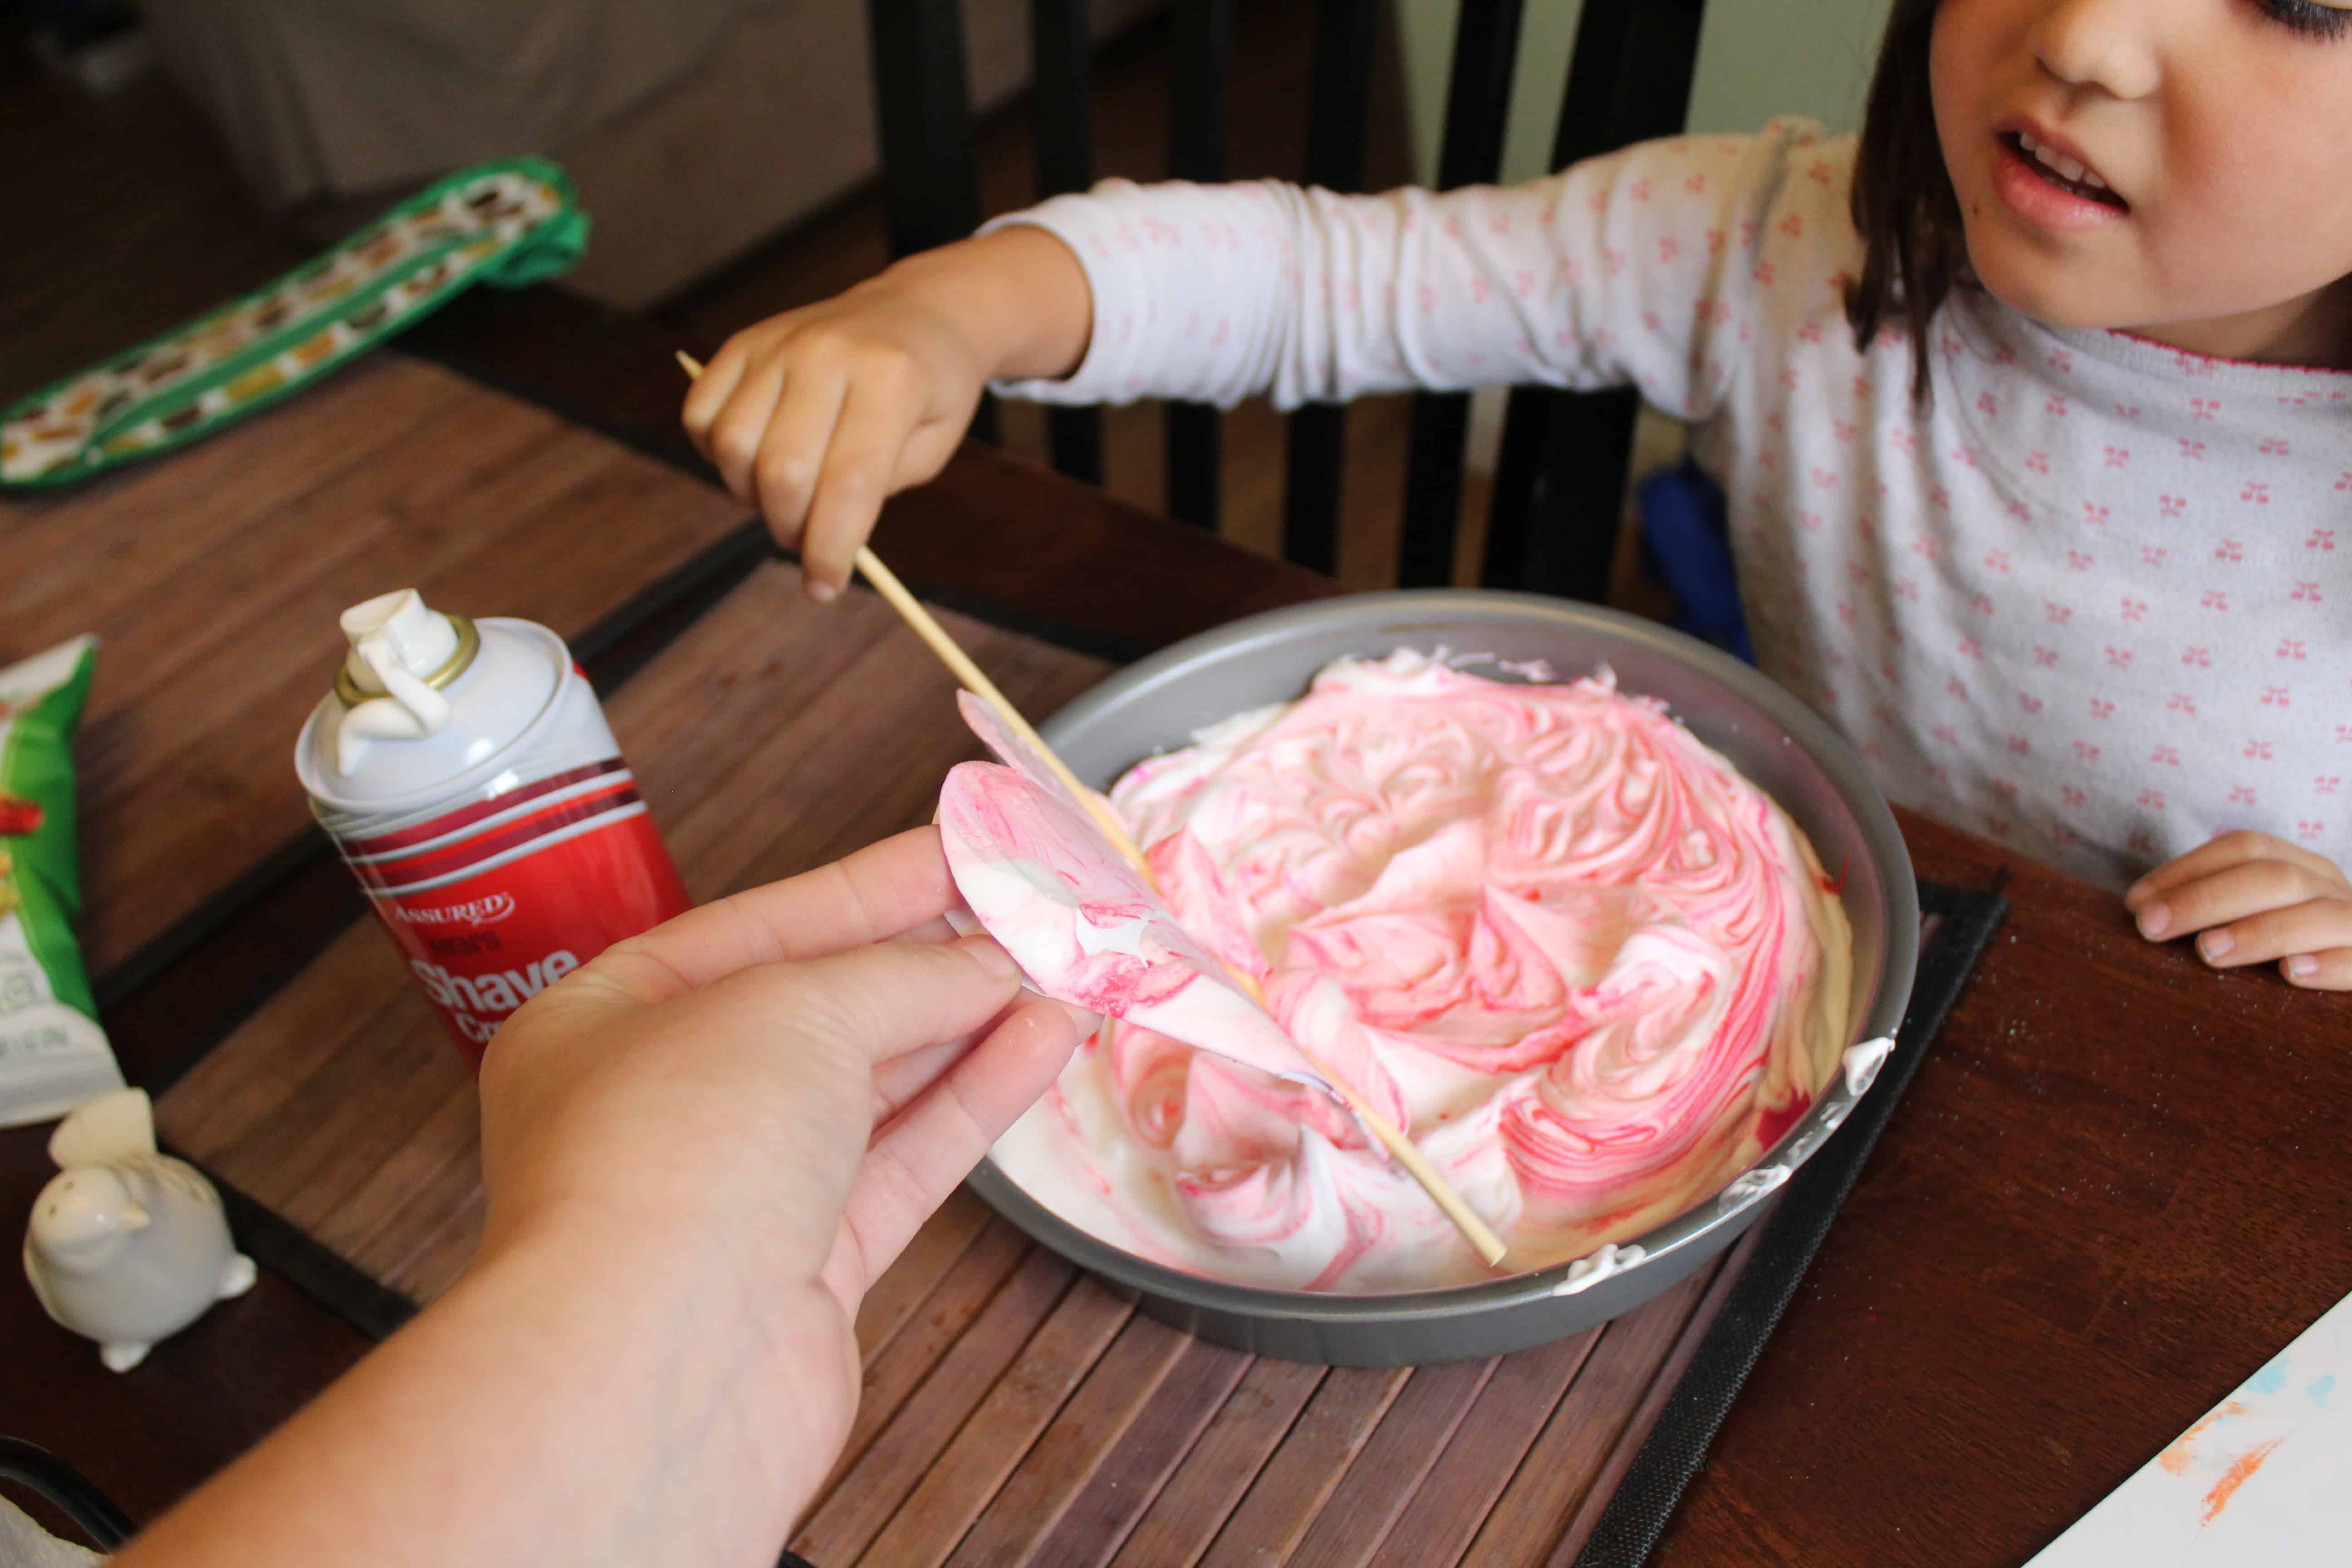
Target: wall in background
{"type": "Point", "coordinates": [1757, 58]}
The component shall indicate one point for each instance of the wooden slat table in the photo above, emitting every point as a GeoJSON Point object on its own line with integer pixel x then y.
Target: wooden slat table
{"type": "Point", "coordinates": [1001, 1382]}
{"type": "Point", "coordinates": [773, 737]}
{"type": "Point", "coordinates": [2117, 1185]}
{"type": "Point", "coordinates": [214, 580]}
{"type": "Point", "coordinates": [2116, 1189]}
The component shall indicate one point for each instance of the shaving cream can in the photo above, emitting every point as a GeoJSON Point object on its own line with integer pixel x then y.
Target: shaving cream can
{"type": "Point", "coordinates": [465, 772]}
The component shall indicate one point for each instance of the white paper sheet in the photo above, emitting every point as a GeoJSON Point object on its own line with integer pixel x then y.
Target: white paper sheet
{"type": "Point", "coordinates": [2264, 1478]}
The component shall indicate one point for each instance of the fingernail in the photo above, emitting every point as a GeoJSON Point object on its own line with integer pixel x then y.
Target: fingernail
{"type": "Point", "coordinates": [2155, 921]}
{"type": "Point", "coordinates": [823, 592]}
{"type": "Point", "coordinates": [2301, 966]}
{"type": "Point", "coordinates": [2215, 944]}
{"type": "Point", "coordinates": [2136, 890]}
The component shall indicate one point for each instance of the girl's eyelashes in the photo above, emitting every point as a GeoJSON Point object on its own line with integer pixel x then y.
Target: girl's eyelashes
{"type": "Point", "coordinates": [2312, 18]}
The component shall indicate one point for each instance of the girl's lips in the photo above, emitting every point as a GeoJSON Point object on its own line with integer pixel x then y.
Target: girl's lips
{"type": "Point", "coordinates": [2021, 187]}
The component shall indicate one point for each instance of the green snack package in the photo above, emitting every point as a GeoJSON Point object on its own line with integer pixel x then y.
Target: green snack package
{"type": "Point", "coordinates": [510, 223]}
{"type": "Point", "coordinates": [53, 1055]}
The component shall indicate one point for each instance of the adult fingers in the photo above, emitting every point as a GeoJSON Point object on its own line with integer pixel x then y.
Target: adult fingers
{"type": "Point", "coordinates": [919, 1156]}
{"type": "Point", "coordinates": [900, 1078]}
{"type": "Point", "coordinates": [936, 929]}
{"type": "Point", "coordinates": [880, 1001]}
{"type": "Point", "coordinates": [2219, 854]}
{"type": "Point", "coordinates": [884, 890]}
{"type": "Point", "coordinates": [2232, 893]}
{"type": "Point", "coordinates": [898, 1081]}
{"type": "Point", "coordinates": [877, 417]}
{"type": "Point", "coordinates": [2315, 925]}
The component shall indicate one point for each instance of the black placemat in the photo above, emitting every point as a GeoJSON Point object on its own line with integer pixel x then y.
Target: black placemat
{"type": "Point", "coordinates": [1962, 921]}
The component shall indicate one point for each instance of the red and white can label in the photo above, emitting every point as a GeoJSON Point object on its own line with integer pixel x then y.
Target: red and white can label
{"type": "Point", "coordinates": [493, 902]}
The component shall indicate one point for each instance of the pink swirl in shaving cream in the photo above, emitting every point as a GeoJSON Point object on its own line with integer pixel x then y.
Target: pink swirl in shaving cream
{"type": "Point", "coordinates": [1591, 969]}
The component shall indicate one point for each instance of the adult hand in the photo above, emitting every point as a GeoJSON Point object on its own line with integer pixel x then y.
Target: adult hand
{"type": "Point", "coordinates": [809, 1067]}
{"type": "Point", "coordinates": [697, 1150]}
{"type": "Point", "coordinates": [817, 415]}
{"type": "Point", "coordinates": [2248, 898]}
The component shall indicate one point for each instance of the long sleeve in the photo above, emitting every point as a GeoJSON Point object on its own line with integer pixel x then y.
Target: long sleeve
{"type": "Point", "coordinates": [1640, 268]}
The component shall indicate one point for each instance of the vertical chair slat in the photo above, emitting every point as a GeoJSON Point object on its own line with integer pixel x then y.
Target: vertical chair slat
{"type": "Point", "coordinates": [1477, 106]}
{"type": "Point", "coordinates": [930, 183]}
{"type": "Point", "coordinates": [1560, 483]}
{"type": "Point", "coordinates": [1197, 125]}
{"type": "Point", "coordinates": [923, 109]}
{"type": "Point", "coordinates": [1063, 96]}
{"type": "Point", "coordinates": [1346, 32]}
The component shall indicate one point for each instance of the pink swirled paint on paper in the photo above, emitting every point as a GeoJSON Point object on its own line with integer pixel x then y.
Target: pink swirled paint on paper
{"type": "Point", "coordinates": [1591, 969]}
{"type": "Point", "coordinates": [1085, 927]}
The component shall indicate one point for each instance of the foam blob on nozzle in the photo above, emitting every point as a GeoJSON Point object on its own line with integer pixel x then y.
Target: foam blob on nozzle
{"type": "Point", "coordinates": [397, 643]}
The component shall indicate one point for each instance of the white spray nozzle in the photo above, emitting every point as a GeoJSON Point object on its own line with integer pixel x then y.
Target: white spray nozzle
{"type": "Point", "coordinates": [395, 631]}
{"type": "Point", "coordinates": [396, 643]}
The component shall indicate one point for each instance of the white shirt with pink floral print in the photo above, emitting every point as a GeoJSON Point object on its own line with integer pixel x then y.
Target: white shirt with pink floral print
{"type": "Point", "coordinates": [2095, 602]}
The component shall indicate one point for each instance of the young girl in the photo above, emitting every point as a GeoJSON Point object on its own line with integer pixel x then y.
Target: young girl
{"type": "Point", "coordinates": [2031, 406]}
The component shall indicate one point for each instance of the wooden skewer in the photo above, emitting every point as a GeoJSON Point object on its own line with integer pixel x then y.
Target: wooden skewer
{"type": "Point", "coordinates": [1477, 1231]}
{"type": "Point", "coordinates": [975, 680]}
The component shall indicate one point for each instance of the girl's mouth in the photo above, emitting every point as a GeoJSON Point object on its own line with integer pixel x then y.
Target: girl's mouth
{"type": "Point", "coordinates": [2050, 190]}
{"type": "Point", "coordinates": [2061, 170]}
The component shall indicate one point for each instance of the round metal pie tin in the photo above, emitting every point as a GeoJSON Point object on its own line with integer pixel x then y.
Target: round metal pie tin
{"type": "Point", "coordinates": [1776, 741]}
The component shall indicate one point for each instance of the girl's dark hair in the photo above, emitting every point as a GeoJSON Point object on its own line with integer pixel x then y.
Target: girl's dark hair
{"type": "Point", "coordinates": [1914, 248]}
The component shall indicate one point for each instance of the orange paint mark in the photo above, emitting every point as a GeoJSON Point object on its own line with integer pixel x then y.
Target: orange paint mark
{"type": "Point", "coordinates": [2240, 1469]}
{"type": "Point", "coordinates": [2177, 1460]}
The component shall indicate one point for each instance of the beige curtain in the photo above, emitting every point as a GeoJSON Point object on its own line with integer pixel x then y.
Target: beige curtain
{"type": "Point", "coordinates": [329, 96]}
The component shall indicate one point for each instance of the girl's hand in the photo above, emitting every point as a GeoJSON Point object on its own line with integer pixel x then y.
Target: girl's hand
{"type": "Point", "coordinates": [2251, 899]}
{"type": "Point", "coordinates": [818, 415]}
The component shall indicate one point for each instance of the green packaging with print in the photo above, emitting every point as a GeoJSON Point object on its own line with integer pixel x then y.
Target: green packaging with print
{"type": "Point", "coordinates": [53, 1055]}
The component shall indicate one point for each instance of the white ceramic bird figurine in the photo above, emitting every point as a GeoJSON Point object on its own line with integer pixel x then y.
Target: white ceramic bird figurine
{"type": "Point", "coordinates": [127, 1246]}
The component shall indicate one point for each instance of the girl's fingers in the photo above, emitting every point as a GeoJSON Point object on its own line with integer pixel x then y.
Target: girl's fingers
{"type": "Point", "coordinates": [802, 432]}
{"type": "Point", "coordinates": [926, 452]}
{"type": "Point", "coordinates": [2248, 888]}
{"type": "Point", "coordinates": [2328, 971]}
{"type": "Point", "coordinates": [877, 417]}
{"type": "Point", "coordinates": [710, 391]}
{"type": "Point", "coordinates": [2228, 849]}
{"type": "Point", "coordinates": [2315, 925]}
{"type": "Point", "coordinates": [741, 429]}
{"type": "Point", "coordinates": [918, 1158]}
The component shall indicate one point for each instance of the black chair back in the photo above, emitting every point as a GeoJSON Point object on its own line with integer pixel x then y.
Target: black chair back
{"type": "Point", "coordinates": [1561, 477]}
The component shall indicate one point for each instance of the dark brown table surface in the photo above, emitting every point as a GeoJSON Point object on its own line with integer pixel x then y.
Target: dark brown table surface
{"type": "Point", "coordinates": [2117, 1185]}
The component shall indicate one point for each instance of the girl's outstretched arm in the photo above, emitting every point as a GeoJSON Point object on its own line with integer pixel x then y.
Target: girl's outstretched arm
{"type": "Point", "coordinates": [1641, 267]}
{"type": "Point", "coordinates": [818, 415]}
{"type": "Point", "coordinates": [2249, 898]}
{"type": "Point", "coordinates": [1644, 267]}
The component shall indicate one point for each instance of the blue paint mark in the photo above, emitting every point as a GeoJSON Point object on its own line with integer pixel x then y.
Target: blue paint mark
{"type": "Point", "coordinates": [2271, 1378]}
{"type": "Point", "coordinates": [2321, 1387]}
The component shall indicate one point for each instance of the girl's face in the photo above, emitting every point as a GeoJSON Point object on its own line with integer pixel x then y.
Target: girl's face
{"type": "Point", "coordinates": [2182, 168]}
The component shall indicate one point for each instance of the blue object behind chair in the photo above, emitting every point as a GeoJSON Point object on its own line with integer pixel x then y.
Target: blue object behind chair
{"type": "Point", "coordinates": [1686, 545]}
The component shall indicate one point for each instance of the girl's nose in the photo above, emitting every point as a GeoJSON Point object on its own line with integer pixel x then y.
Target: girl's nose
{"type": "Point", "coordinates": [2104, 45]}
